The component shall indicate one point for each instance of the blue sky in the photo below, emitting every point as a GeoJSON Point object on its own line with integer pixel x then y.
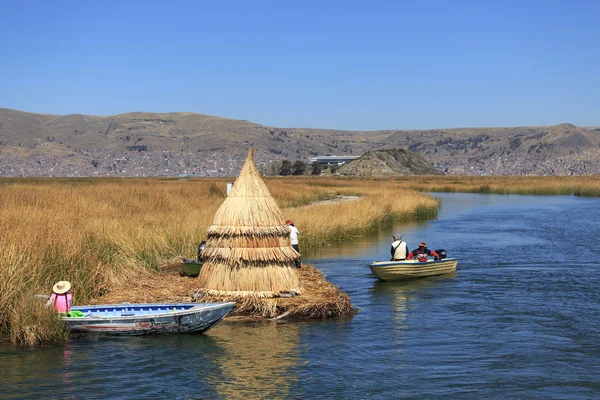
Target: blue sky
{"type": "Point", "coordinates": [360, 65]}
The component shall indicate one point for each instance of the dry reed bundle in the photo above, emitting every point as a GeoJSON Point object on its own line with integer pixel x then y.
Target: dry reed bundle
{"type": "Point", "coordinates": [165, 287]}
{"type": "Point", "coordinates": [320, 299]}
{"type": "Point", "coordinates": [248, 251]}
{"type": "Point", "coordinates": [170, 265]}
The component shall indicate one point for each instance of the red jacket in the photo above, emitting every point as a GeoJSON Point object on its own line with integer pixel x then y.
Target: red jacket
{"type": "Point", "coordinates": [423, 253]}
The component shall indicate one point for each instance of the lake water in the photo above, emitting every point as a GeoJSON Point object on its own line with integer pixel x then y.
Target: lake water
{"type": "Point", "coordinates": [520, 319]}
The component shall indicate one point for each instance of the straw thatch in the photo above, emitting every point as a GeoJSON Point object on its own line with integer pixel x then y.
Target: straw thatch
{"type": "Point", "coordinates": [248, 251]}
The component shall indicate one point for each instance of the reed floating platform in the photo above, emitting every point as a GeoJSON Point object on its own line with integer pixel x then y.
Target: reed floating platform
{"type": "Point", "coordinates": [319, 298]}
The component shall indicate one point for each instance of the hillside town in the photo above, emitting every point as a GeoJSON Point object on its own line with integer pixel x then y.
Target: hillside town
{"type": "Point", "coordinates": [583, 162]}
{"type": "Point", "coordinates": [107, 163]}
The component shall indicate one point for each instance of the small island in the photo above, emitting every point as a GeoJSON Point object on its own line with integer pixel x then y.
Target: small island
{"type": "Point", "coordinates": [248, 259]}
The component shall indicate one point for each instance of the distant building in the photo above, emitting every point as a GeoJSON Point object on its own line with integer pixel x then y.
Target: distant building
{"type": "Point", "coordinates": [335, 160]}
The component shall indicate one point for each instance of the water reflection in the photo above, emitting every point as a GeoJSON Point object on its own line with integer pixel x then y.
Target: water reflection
{"type": "Point", "coordinates": [66, 374]}
{"type": "Point", "coordinates": [45, 364]}
{"type": "Point", "coordinates": [256, 358]}
{"type": "Point", "coordinates": [399, 293]}
{"type": "Point", "coordinates": [403, 288]}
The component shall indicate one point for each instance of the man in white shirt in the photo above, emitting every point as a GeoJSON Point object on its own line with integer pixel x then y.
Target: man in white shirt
{"type": "Point", "coordinates": [399, 248]}
{"type": "Point", "coordinates": [294, 232]}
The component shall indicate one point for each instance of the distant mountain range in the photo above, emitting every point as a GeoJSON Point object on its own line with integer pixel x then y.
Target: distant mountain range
{"type": "Point", "coordinates": [171, 144]}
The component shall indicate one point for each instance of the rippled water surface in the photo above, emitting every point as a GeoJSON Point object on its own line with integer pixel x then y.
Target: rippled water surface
{"type": "Point", "coordinates": [520, 319]}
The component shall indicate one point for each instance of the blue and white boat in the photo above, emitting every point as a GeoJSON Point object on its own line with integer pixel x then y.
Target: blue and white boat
{"type": "Point", "coordinates": [147, 319]}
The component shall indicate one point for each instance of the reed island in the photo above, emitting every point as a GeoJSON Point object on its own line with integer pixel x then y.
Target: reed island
{"type": "Point", "coordinates": [248, 259]}
{"type": "Point", "coordinates": [117, 240]}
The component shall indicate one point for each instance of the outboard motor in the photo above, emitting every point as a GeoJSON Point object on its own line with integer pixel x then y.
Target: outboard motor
{"type": "Point", "coordinates": [201, 247]}
{"type": "Point", "coordinates": [442, 253]}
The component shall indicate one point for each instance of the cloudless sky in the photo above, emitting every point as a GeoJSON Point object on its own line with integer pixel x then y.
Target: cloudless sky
{"type": "Point", "coordinates": [360, 65]}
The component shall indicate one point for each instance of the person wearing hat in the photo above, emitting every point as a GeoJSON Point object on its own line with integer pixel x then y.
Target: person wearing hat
{"type": "Point", "coordinates": [399, 248]}
{"type": "Point", "coordinates": [294, 232]}
{"type": "Point", "coordinates": [61, 298]}
{"type": "Point", "coordinates": [422, 252]}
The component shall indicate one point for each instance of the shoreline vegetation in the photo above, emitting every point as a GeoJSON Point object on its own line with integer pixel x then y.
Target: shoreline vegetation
{"type": "Point", "coordinates": [583, 186]}
{"type": "Point", "coordinates": [113, 237]}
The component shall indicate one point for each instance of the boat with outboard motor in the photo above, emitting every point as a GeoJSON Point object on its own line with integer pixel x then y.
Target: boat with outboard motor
{"type": "Point", "coordinates": [412, 269]}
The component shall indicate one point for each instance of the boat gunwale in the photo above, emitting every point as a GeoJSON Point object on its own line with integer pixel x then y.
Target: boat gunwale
{"type": "Point", "coordinates": [410, 262]}
{"type": "Point", "coordinates": [191, 310]}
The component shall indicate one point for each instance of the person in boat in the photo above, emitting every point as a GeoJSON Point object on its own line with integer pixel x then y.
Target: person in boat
{"type": "Point", "coordinates": [294, 232]}
{"type": "Point", "coordinates": [399, 248]}
{"type": "Point", "coordinates": [61, 298]}
{"type": "Point", "coordinates": [421, 253]}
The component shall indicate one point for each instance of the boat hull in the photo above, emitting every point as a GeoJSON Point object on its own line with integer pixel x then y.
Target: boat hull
{"type": "Point", "coordinates": [404, 270]}
{"type": "Point", "coordinates": [190, 267]}
{"type": "Point", "coordinates": [147, 319]}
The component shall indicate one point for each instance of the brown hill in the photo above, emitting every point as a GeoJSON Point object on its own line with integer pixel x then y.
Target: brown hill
{"type": "Point", "coordinates": [150, 144]}
{"type": "Point", "coordinates": [174, 132]}
{"type": "Point", "coordinates": [562, 149]}
{"type": "Point", "coordinates": [388, 162]}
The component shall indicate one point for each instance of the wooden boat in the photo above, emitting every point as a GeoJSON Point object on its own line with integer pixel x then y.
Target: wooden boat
{"type": "Point", "coordinates": [411, 269]}
{"type": "Point", "coordinates": [190, 267]}
{"type": "Point", "coordinates": [147, 319]}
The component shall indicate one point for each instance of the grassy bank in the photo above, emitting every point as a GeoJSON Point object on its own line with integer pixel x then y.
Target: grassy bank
{"type": "Point", "coordinates": [586, 186]}
{"type": "Point", "coordinates": [102, 233]}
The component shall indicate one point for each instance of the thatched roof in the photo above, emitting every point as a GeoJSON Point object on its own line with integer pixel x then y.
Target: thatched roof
{"type": "Point", "coordinates": [248, 249]}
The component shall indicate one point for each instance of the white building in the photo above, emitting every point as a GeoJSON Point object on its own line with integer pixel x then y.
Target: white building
{"type": "Point", "coordinates": [335, 160]}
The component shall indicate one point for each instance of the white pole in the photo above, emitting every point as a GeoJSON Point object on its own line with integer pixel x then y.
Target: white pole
{"type": "Point", "coordinates": [229, 185]}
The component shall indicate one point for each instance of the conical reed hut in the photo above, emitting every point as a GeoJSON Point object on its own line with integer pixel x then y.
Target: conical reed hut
{"type": "Point", "coordinates": [248, 251]}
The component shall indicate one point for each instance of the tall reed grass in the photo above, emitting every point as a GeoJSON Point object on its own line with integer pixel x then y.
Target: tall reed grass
{"type": "Point", "coordinates": [101, 233]}
{"type": "Point", "coordinates": [585, 186]}
{"type": "Point", "coordinates": [379, 207]}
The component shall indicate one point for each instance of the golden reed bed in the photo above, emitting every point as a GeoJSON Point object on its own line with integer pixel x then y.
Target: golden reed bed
{"type": "Point", "coordinates": [525, 185]}
{"type": "Point", "coordinates": [105, 234]}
